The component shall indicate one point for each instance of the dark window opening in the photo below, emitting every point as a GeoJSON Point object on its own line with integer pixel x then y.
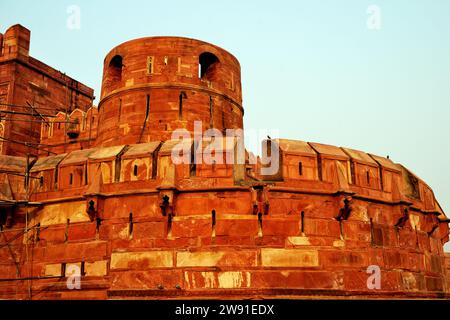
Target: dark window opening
{"type": "Point", "coordinates": [352, 172]}
{"type": "Point", "coordinates": [169, 223]}
{"type": "Point", "coordinates": [207, 65]}
{"type": "Point", "coordinates": [135, 170]}
{"type": "Point", "coordinates": [302, 218]}
{"type": "Point", "coordinates": [319, 167]}
{"type": "Point", "coordinates": [150, 65]}
{"type": "Point", "coordinates": [213, 223]}
{"type": "Point", "coordinates": [211, 112]}
{"type": "Point", "coordinates": [98, 224]}
{"type": "Point", "coordinates": [269, 148]}
{"type": "Point", "coordinates": [193, 165]}
{"type": "Point", "coordinates": [115, 69]}
{"type": "Point", "coordinates": [368, 177]}
{"type": "Point", "coordinates": [300, 169]}
{"type": "Point", "coordinates": [41, 181]}
{"type": "Point", "coordinates": [260, 225]}
{"type": "Point", "coordinates": [130, 225]}
{"type": "Point", "coordinates": [71, 179]}
{"type": "Point", "coordinates": [213, 215]}
{"type": "Point", "coordinates": [182, 96]}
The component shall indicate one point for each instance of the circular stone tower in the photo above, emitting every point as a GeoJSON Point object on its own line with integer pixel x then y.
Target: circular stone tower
{"type": "Point", "coordinates": [152, 86]}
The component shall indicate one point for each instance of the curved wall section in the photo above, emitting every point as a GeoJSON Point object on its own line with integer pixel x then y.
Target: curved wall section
{"type": "Point", "coordinates": [152, 86]}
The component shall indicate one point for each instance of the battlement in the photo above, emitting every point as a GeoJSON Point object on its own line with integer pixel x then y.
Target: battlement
{"type": "Point", "coordinates": [153, 86]}
{"type": "Point", "coordinates": [15, 43]}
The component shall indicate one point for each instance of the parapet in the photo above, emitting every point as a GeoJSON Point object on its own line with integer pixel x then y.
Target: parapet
{"type": "Point", "coordinates": [15, 43]}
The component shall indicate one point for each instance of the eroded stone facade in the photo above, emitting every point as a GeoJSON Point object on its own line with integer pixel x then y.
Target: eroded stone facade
{"type": "Point", "coordinates": [105, 197]}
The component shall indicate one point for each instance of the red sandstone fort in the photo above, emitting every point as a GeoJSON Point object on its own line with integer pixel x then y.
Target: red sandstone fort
{"type": "Point", "coordinates": [96, 189]}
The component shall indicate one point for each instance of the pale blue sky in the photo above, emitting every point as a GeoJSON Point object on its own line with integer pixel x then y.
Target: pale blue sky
{"type": "Point", "coordinates": [311, 69]}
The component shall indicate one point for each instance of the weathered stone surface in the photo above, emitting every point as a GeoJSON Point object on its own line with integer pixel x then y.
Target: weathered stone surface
{"type": "Point", "coordinates": [217, 280]}
{"type": "Point", "coordinates": [289, 258]}
{"type": "Point", "coordinates": [96, 268]}
{"type": "Point", "coordinates": [141, 260]}
{"type": "Point", "coordinates": [217, 258]}
{"type": "Point", "coordinates": [107, 196]}
{"type": "Point", "coordinates": [53, 270]}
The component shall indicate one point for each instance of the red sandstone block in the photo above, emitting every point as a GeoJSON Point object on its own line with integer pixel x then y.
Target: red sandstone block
{"type": "Point", "coordinates": [192, 228]}
{"type": "Point", "coordinates": [149, 230]}
{"type": "Point", "coordinates": [390, 280]}
{"type": "Point", "coordinates": [217, 279]}
{"type": "Point", "coordinates": [176, 243]}
{"type": "Point", "coordinates": [143, 243]}
{"type": "Point", "coordinates": [358, 281]}
{"type": "Point", "coordinates": [53, 235]}
{"type": "Point", "coordinates": [5, 255]}
{"type": "Point", "coordinates": [389, 237]}
{"type": "Point", "coordinates": [355, 280]}
{"type": "Point", "coordinates": [280, 227]}
{"type": "Point", "coordinates": [270, 241]}
{"type": "Point", "coordinates": [340, 258]}
{"type": "Point", "coordinates": [84, 295]}
{"type": "Point", "coordinates": [434, 284]}
{"type": "Point", "coordinates": [146, 280]}
{"type": "Point", "coordinates": [38, 269]}
{"type": "Point", "coordinates": [424, 242]}
{"type": "Point", "coordinates": [210, 258]}
{"type": "Point", "coordinates": [357, 230]}
{"type": "Point", "coordinates": [93, 250]}
{"type": "Point", "coordinates": [407, 238]}
{"type": "Point", "coordinates": [436, 246]}
{"type": "Point", "coordinates": [296, 279]}
{"type": "Point", "coordinates": [39, 254]}
{"type": "Point", "coordinates": [376, 257]}
{"type": "Point", "coordinates": [436, 264]}
{"type": "Point", "coordinates": [322, 227]}
{"type": "Point", "coordinates": [228, 241]}
{"type": "Point", "coordinates": [76, 252]}
{"type": "Point", "coordinates": [113, 231]}
{"type": "Point", "coordinates": [352, 244]}
{"type": "Point", "coordinates": [82, 231]}
{"type": "Point", "coordinates": [412, 261]}
{"type": "Point", "coordinates": [120, 244]}
{"type": "Point", "coordinates": [55, 253]}
{"type": "Point", "coordinates": [239, 227]}
{"type": "Point", "coordinates": [412, 281]}
{"type": "Point", "coordinates": [392, 259]}
{"type": "Point", "coordinates": [321, 241]}
{"type": "Point", "coordinates": [8, 271]}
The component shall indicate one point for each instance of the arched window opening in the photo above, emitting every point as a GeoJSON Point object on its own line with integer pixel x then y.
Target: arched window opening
{"type": "Point", "coordinates": [182, 96]}
{"type": "Point", "coordinates": [135, 170]}
{"type": "Point", "coordinates": [115, 69]}
{"type": "Point", "coordinates": [208, 63]}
